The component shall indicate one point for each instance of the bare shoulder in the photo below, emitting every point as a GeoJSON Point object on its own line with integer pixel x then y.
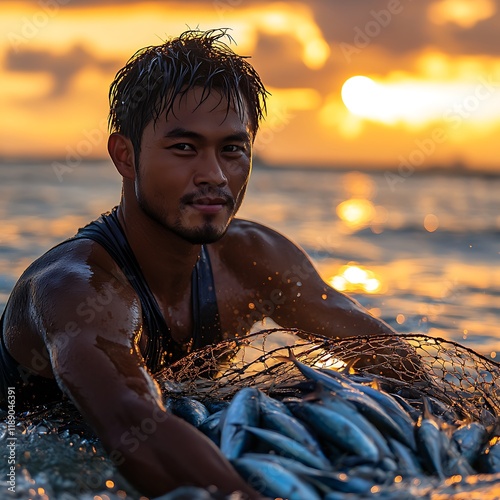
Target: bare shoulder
{"type": "Point", "coordinates": [65, 291]}
{"type": "Point", "coordinates": [250, 245]}
{"type": "Point", "coordinates": [66, 270]}
{"type": "Point", "coordinates": [257, 239]}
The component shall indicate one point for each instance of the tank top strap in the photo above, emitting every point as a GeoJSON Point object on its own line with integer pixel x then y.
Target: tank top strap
{"type": "Point", "coordinates": [161, 349]}
{"type": "Point", "coordinates": [206, 321]}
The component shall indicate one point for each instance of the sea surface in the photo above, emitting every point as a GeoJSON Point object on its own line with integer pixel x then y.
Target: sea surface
{"type": "Point", "coordinates": [420, 251]}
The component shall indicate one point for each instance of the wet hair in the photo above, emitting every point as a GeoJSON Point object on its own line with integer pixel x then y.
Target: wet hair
{"type": "Point", "coordinates": [155, 76]}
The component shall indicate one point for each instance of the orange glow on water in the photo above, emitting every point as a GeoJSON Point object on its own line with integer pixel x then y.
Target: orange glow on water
{"type": "Point", "coordinates": [355, 278]}
{"type": "Point", "coordinates": [356, 212]}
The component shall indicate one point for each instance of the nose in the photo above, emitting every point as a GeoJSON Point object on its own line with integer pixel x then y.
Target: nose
{"type": "Point", "coordinates": [210, 171]}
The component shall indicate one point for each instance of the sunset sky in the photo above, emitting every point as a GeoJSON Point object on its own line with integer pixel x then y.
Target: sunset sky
{"type": "Point", "coordinates": [373, 83]}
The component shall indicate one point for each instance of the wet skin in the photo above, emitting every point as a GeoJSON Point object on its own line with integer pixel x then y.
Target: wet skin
{"type": "Point", "coordinates": [193, 170]}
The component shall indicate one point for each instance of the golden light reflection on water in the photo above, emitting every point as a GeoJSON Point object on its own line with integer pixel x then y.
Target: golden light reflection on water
{"type": "Point", "coordinates": [9, 233]}
{"type": "Point", "coordinates": [355, 278]}
{"type": "Point", "coordinates": [358, 211]}
{"type": "Point", "coordinates": [57, 228]}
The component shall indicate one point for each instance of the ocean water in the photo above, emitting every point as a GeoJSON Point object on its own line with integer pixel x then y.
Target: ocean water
{"type": "Point", "coordinates": [419, 251]}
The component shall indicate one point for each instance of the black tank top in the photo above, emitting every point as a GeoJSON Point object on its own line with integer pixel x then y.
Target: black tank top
{"type": "Point", "coordinates": [161, 349]}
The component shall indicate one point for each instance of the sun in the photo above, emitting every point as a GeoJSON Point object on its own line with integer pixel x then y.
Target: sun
{"type": "Point", "coordinates": [360, 95]}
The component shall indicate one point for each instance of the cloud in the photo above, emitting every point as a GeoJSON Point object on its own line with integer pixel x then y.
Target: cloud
{"type": "Point", "coordinates": [480, 39]}
{"type": "Point", "coordinates": [404, 26]}
{"type": "Point", "coordinates": [62, 67]}
{"type": "Point", "coordinates": [279, 59]}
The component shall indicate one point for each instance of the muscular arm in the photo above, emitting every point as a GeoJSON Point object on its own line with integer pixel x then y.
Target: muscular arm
{"type": "Point", "coordinates": [286, 286]}
{"type": "Point", "coordinates": [99, 367]}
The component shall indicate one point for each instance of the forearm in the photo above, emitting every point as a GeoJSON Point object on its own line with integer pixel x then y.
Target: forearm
{"type": "Point", "coordinates": [348, 318]}
{"type": "Point", "coordinates": [334, 315]}
{"type": "Point", "coordinates": [159, 452]}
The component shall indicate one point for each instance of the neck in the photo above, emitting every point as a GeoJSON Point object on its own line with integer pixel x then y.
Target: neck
{"type": "Point", "coordinates": [166, 259]}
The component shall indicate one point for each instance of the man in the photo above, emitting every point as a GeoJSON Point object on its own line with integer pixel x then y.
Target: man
{"type": "Point", "coordinates": [167, 271]}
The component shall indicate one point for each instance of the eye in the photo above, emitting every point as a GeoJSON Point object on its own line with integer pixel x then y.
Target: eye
{"type": "Point", "coordinates": [182, 146]}
{"type": "Point", "coordinates": [234, 148]}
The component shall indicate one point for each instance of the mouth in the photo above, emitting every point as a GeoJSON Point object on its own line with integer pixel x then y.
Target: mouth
{"type": "Point", "coordinates": [209, 205]}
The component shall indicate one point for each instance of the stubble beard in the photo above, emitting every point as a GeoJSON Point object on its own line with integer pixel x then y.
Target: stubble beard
{"type": "Point", "coordinates": [206, 233]}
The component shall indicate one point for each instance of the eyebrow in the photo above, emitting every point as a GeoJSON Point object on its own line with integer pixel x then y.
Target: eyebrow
{"type": "Point", "coordinates": [179, 132]}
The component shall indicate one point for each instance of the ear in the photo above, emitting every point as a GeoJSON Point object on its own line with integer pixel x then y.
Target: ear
{"type": "Point", "coordinates": [122, 153]}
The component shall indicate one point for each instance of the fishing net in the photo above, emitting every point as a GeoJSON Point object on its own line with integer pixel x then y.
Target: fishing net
{"type": "Point", "coordinates": [412, 366]}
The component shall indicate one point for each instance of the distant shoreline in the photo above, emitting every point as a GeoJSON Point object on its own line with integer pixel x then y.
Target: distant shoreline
{"type": "Point", "coordinates": [258, 163]}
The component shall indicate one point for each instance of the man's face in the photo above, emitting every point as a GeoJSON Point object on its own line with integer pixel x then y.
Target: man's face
{"type": "Point", "coordinates": [194, 167]}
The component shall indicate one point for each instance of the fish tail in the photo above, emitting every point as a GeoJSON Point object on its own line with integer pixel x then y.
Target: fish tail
{"type": "Point", "coordinates": [287, 359]}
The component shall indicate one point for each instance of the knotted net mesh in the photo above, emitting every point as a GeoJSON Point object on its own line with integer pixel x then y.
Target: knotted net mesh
{"type": "Point", "coordinates": [411, 365]}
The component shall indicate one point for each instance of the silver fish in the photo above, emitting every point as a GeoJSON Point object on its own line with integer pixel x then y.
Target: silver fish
{"type": "Point", "coordinates": [291, 427]}
{"type": "Point", "coordinates": [189, 409]}
{"type": "Point", "coordinates": [470, 439]}
{"type": "Point", "coordinates": [324, 481]}
{"type": "Point", "coordinates": [187, 493]}
{"type": "Point", "coordinates": [270, 404]}
{"type": "Point", "coordinates": [408, 462]}
{"type": "Point", "coordinates": [273, 480]}
{"type": "Point", "coordinates": [377, 415]}
{"type": "Point", "coordinates": [338, 429]}
{"type": "Point", "coordinates": [243, 411]}
{"type": "Point", "coordinates": [349, 411]}
{"type": "Point", "coordinates": [489, 459]}
{"type": "Point", "coordinates": [430, 442]}
{"type": "Point", "coordinates": [311, 373]}
{"type": "Point", "coordinates": [289, 448]}
{"type": "Point", "coordinates": [212, 426]}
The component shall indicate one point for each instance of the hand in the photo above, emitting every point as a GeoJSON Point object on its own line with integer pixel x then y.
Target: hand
{"type": "Point", "coordinates": [176, 454]}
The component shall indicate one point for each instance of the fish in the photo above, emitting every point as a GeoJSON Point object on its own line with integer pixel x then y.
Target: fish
{"type": "Point", "coordinates": [343, 435]}
{"type": "Point", "coordinates": [370, 408]}
{"type": "Point", "coordinates": [408, 463]}
{"type": "Point", "coordinates": [348, 410]}
{"type": "Point", "coordinates": [311, 373]}
{"type": "Point", "coordinates": [268, 403]}
{"type": "Point", "coordinates": [324, 481]}
{"type": "Point", "coordinates": [430, 441]}
{"type": "Point", "coordinates": [469, 439]}
{"type": "Point", "coordinates": [338, 429]}
{"type": "Point", "coordinates": [212, 425]}
{"type": "Point", "coordinates": [189, 409]}
{"type": "Point", "coordinates": [215, 405]}
{"type": "Point", "coordinates": [385, 400]}
{"type": "Point", "coordinates": [489, 459]}
{"type": "Point", "coordinates": [243, 411]}
{"type": "Point", "coordinates": [273, 480]}
{"type": "Point", "coordinates": [188, 493]}
{"type": "Point", "coordinates": [379, 417]}
{"type": "Point", "coordinates": [289, 448]}
{"type": "Point", "coordinates": [292, 428]}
